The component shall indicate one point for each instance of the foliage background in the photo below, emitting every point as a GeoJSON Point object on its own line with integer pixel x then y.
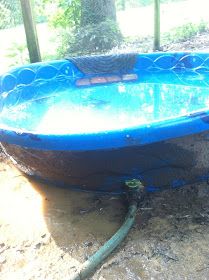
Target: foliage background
{"type": "Point", "coordinates": [60, 34]}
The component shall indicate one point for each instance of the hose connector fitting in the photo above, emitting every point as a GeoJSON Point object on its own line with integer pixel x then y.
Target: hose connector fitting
{"type": "Point", "coordinates": [135, 191]}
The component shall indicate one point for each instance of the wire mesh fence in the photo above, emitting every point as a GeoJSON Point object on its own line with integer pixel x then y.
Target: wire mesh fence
{"type": "Point", "coordinates": [77, 27]}
{"type": "Point", "coordinates": [12, 44]}
{"type": "Point", "coordinates": [10, 13]}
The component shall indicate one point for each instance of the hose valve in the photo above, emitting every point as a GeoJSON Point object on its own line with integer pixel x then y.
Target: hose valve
{"type": "Point", "coordinates": [135, 190]}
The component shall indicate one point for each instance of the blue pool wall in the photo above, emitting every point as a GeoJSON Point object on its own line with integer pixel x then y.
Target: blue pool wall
{"type": "Point", "coordinates": [159, 156]}
{"type": "Point", "coordinates": [27, 74]}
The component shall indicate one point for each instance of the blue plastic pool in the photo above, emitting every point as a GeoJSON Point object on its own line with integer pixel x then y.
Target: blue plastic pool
{"type": "Point", "coordinates": [94, 122]}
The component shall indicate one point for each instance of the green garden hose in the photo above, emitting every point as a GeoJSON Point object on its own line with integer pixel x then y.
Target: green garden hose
{"type": "Point", "coordinates": [135, 189]}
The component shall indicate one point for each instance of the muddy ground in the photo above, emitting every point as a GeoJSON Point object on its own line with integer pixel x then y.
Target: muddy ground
{"type": "Point", "coordinates": [46, 232]}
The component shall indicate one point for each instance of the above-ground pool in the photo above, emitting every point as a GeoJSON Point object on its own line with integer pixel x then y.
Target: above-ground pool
{"type": "Point", "coordinates": [92, 123]}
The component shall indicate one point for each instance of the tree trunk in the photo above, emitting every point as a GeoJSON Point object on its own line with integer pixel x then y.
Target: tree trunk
{"type": "Point", "coordinates": [98, 31]}
{"type": "Point", "coordinates": [97, 11]}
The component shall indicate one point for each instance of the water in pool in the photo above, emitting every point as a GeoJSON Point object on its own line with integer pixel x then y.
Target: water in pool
{"type": "Point", "coordinates": [59, 107]}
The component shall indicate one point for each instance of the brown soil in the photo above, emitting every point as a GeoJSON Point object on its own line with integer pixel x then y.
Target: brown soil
{"type": "Point", "coordinates": [46, 232]}
{"type": "Point", "coordinates": [199, 42]}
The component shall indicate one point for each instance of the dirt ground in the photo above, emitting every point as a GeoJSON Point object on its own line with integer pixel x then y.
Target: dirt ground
{"type": "Point", "coordinates": [199, 42]}
{"type": "Point", "coordinates": [46, 232]}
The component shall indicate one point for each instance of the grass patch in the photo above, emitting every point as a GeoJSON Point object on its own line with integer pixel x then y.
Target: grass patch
{"type": "Point", "coordinates": [176, 35]}
{"type": "Point", "coordinates": [184, 32]}
{"type": "Point", "coordinates": [18, 54]}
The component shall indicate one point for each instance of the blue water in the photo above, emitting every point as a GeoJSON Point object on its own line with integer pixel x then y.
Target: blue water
{"type": "Point", "coordinates": [59, 107]}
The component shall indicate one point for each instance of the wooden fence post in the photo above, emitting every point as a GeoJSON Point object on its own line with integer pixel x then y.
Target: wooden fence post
{"type": "Point", "coordinates": [156, 25]}
{"type": "Point", "coordinates": [30, 31]}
